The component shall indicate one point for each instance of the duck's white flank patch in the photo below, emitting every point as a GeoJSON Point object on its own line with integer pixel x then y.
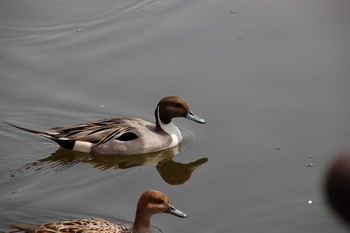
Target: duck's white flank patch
{"type": "Point", "coordinates": [170, 129]}
{"type": "Point", "coordinates": [82, 146]}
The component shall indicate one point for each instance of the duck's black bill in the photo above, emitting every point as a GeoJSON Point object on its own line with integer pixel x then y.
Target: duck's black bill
{"type": "Point", "coordinates": [190, 115]}
{"type": "Point", "coordinates": [172, 210]}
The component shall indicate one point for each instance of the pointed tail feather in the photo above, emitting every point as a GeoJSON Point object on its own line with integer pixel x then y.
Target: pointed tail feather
{"type": "Point", "coordinates": [42, 133]}
{"type": "Point", "coordinates": [63, 142]}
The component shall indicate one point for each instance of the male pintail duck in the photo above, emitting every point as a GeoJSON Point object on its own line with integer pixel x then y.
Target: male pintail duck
{"type": "Point", "coordinates": [151, 202]}
{"type": "Point", "coordinates": [125, 136]}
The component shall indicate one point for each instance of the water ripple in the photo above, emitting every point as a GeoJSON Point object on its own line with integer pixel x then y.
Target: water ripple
{"type": "Point", "coordinates": [314, 172]}
{"type": "Point", "coordinates": [60, 16]}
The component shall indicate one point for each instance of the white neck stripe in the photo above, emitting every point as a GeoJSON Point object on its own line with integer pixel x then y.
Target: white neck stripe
{"type": "Point", "coordinates": [170, 129]}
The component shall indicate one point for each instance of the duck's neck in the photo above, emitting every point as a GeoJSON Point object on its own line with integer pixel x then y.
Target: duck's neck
{"type": "Point", "coordinates": [142, 223]}
{"type": "Point", "coordinates": [158, 120]}
{"type": "Point", "coordinates": [169, 128]}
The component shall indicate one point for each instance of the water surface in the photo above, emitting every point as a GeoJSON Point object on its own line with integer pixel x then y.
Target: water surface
{"type": "Point", "coordinates": [270, 77]}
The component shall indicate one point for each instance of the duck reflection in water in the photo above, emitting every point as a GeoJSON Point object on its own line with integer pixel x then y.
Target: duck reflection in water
{"type": "Point", "coordinates": [172, 172]}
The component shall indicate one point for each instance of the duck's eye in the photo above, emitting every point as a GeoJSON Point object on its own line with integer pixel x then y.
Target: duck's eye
{"type": "Point", "coordinates": [159, 202]}
{"type": "Point", "coordinates": [178, 105]}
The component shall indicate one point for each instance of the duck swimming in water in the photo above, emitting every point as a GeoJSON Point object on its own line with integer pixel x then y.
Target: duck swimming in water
{"type": "Point", "coordinates": [151, 202]}
{"type": "Point", "coordinates": [127, 135]}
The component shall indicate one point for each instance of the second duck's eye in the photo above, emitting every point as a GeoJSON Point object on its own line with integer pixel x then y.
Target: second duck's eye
{"type": "Point", "coordinates": [178, 105]}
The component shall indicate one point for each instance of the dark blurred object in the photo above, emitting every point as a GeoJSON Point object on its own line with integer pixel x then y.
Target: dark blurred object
{"type": "Point", "coordinates": [337, 186]}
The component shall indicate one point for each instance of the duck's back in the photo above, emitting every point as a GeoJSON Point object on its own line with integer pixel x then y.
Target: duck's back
{"type": "Point", "coordinates": [94, 131]}
{"type": "Point", "coordinates": [91, 225]}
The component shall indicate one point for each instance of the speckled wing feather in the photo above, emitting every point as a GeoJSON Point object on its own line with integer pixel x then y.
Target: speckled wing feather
{"type": "Point", "coordinates": [91, 225]}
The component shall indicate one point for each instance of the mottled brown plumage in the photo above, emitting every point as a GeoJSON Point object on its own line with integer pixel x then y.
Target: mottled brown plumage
{"type": "Point", "coordinates": [91, 225]}
{"type": "Point", "coordinates": [151, 202]}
